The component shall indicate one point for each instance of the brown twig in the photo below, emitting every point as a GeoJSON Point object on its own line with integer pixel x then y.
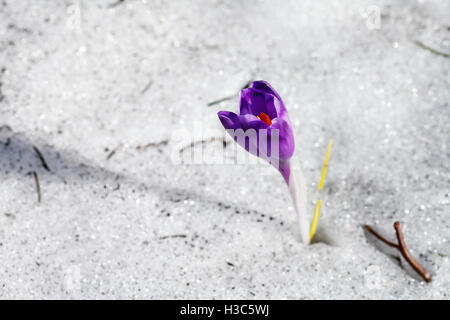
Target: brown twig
{"type": "Point", "coordinates": [403, 248]}
{"type": "Point", "coordinates": [174, 236]}
{"type": "Point", "coordinates": [380, 237]}
{"type": "Point", "coordinates": [41, 157]}
{"type": "Point", "coordinates": [220, 100]}
{"type": "Point", "coordinates": [113, 152]}
{"type": "Point", "coordinates": [6, 127]}
{"type": "Point", "coordinates": [112, 5]}
{"type": "Point", "coordinates": [245, 86]}
{"type": "Point", "coordinates": [153, 144]}
{"type": "Point", "coordinates": [193, 144]}
{"type": "Point", "coordinates": [149, 84]}
{"type": "Point", "coordinates": [407, 255]}
{"type": "Point", "coordinates": [433, 51]}
{"type": "Point", "coordinates": [38, 186]}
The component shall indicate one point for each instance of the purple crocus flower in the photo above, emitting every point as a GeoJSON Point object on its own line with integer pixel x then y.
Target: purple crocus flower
{"type": "Point", "coordinates": [263, 112]}
{"type": "Point", "coordinates": [261, 108]}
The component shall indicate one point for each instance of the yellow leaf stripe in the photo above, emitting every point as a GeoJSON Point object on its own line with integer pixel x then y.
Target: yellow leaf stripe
{"type": "Point", "coordinates": [315, 220]}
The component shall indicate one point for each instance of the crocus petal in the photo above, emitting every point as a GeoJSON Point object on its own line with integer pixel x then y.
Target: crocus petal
{"type": "Point", "coordinates": [244, 104]}
{"type": "Point", "coordinates": [245, 122]}
{"type": "Point", "coordinates": [258, 102]}
{"type": "Point", "coordinates": [264, 86]}
{"type": "Point", "coordinates": [285, 169]}
{"type": "Point", "coordinates": [286, 138]}
{"type": "Point", "coordinates": [272, 106]}
{"type": "Point", "coordinates": [249, 121]}
{"type": "Point", "coordinates": [229, 120]}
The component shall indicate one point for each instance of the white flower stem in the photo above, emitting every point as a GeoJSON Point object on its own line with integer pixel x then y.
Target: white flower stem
{"type": "Point", "coordinates": [297, 189]}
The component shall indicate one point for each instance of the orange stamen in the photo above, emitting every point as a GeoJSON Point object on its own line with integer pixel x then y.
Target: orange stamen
{"type": "Point", "coordinates": [264, 117]}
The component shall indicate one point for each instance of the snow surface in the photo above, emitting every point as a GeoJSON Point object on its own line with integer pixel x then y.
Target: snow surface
{"type": "Point", "coordinates": [88, 82]}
